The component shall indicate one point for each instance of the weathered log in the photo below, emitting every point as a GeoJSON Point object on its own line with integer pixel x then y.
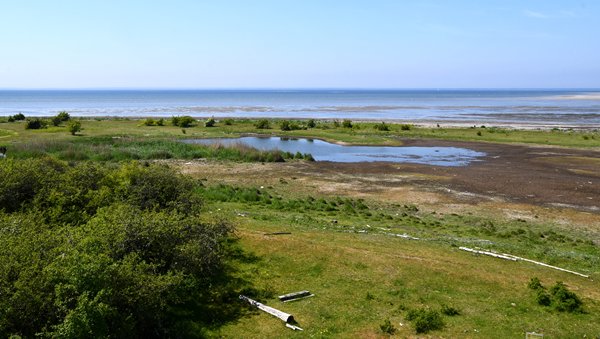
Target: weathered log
{"type": "Point", "coordinates": [515, 258]}
{"type": "Point", "coordinates": [295, 296]}
{"type": "Point", "coordinates": [288, 318]}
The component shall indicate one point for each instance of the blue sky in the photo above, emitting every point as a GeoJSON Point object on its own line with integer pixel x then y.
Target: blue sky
{"type": "Point", "coordinates": [299, 44]}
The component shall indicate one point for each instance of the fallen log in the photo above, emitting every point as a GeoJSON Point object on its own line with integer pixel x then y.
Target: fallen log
{"type": "Point", "coordinates": [491, 254]}
{"type": "Point", "coordinates": [515, 258]}
{"type": "Point", "coordinates": [288, 318]}
{"type": "Point", "coordinates": [295, 296]}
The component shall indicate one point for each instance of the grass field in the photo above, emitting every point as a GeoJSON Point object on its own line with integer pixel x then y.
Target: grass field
{"type": "Point", "coordinates": [343, 246]}
{"type": "Point", "coordinates": [360, 133]}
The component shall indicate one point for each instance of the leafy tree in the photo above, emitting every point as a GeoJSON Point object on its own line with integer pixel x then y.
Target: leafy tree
{"type": "Point", "coordinates": [347, 123]}
{"type": "Point", "coordinates": [74, 126]}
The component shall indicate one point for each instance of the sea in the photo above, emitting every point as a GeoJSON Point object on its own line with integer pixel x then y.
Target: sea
{"type": "Point", "coordinates": [479, 106]}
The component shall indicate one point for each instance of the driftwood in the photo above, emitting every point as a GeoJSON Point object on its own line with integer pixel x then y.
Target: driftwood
{"type": "Point", "coordinates": [288, 318]}
{"type": "Point", "coordinates": [491, 254]}
{"type": "Point", "coordinates": [515, 258]}
{"type": "Point", "coordinates": [295, 296]}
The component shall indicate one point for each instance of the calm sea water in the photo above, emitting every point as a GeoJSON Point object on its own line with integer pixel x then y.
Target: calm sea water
{"type": "Point", "coordinates": [531, 106]}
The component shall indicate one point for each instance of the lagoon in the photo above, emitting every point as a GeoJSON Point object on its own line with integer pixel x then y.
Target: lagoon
{"type": "Point", "coordinates": [325, 151]}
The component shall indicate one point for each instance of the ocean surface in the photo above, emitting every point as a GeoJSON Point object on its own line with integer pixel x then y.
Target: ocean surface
{"type": "Point", "coordinates": [544, 107]}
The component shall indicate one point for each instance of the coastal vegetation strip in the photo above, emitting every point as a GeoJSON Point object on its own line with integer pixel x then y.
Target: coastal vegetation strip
{"type": "Point", "coordinates": [357, 133]}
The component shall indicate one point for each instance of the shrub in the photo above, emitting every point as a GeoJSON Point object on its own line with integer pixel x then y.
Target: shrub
{"type": "Point", "coordinates": [16, 117]}
{"type": "Point", "coordinates": [387, 327]}
{"type": "Point", "coordinates": [285, 125]}
{"type": "Point", "coordinates": [36, 123]}
{"type": "Point", "coordinates": [425, 320]}
{"type": "Point", "coordinates": [149, 122]}
{"type": "Point", "coordinates": [382, 127]}
{"type": "Point", "coordinates": [535, 284]}
{"type": "Point", "coordinates": [449, 310]}
{"type": "Point", "coordinates": [120, 270]}
{"type": "Point", "coordinates": [210, 122]}
{"type": "Point", "coordinates": [74, 126]}
{"type": "Point", "coordinates": [311, 123]}
{"type": "Point", "coordinates": [559, 297]}
{"type": "Point", "coordinates": [228, 121]}
{"type": "Point", "coordinates": [347, 123]}
{"type": "Point", "coordinates": [160, 122]}
{"type": "Point", "coordinates": [405, 127]}
{"type": "Point", "coordinates": [564, 300]}
{"type": "Point", "coordinates": [183, 121]}
{"type": "Point", "coordinates": [336, 123]}
{"type": "Point", "coordinates": [63, 116]}
{"type": "Point", "coordinates": [262, 124]}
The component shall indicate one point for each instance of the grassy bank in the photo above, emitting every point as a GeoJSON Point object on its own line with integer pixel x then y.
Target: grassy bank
{"type": "Point", "coordinates": [346, 252]}
{"type": "Point", "coordinates": [359, 133]}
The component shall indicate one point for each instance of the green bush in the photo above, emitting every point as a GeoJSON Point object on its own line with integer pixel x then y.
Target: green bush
{"type": "Point", "coordinates": [559, 297]}
{"type": "Point", "coordinates": [564, 300]}
{"type": "Point", "coordinates": [63, 116]}
{"type": "Point", "coordinates": [381, 127]}
{"type": "Point", "coordinates": [262, 124]}
{"type": "Point", "coordinates": [16, 117]}
{"type": "Point", "coordinates": [425, 320]}
{"type": "Point", "coordinates": [91, 250]}
{"type": "Point", "coordinates": [405, 127]}
{"type": "Point", "coordinates": [210, 122]}
{"type": "Point", "coordinates": [74, 126]}
{"type": "Point", "coordinates": [228, 121]}
{"type": "Point", "coordinates": [183, 121]}
{"type": "Point", "coordinates": [36, 123]}
{"type": "Point", "coordinates": [149, 122]}
{"type": "Point", "coordinates": [449, 310]}
{"type": "Point", "coordinates": [347, 123]}
{"type": "Point", "coordinates": [311, 123]}
{"type": "Point", "coordinates": [285, 125]}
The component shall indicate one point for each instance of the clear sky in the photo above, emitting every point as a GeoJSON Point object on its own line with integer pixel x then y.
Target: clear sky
{"type": "Point", "coordinates": [299, 44]}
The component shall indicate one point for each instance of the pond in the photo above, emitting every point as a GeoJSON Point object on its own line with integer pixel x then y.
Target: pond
{"type": "Point", "coordinates": [325, 151]}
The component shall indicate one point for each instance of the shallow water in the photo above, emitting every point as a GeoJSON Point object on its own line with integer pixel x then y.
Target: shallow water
{"type": "Point", "coordinates": [484, 106]}
{"type": "Point", "coordinates": [325, 151]}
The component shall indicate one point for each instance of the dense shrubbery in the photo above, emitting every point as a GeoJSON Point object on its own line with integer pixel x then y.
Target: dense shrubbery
{"type": "Point", "coordinates": [210, 122]}
{"type": "Point", "coordinates": [184, 121]}
{"type": "Point", "coordinates": [425, 320]}
{"type": "Point", "coordinates": [93, 250]}
{"type": "Point", "coordinates": [36, 123]}
{"type": "Point", "coordinates": [263, 124]}
{"type": "Point", "coordinates": [382, 127]}
{"type": "Point", "coordinates": [60, 118]}
{"type": "Point", "coordinates": [152, 122]}
{"type": "Point", "coordinates": [16, 117]}
{"type": "Point", "coordinates": [558, 297]}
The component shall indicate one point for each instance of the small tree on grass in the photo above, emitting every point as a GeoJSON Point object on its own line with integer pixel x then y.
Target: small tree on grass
{"type": "Point", "coordinates": [347, 123]}
{"type": "Point", "coordinates": [74, 126]}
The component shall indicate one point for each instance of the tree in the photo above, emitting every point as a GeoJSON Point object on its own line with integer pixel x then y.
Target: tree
{"type": "Point", "coordinates": [74, 126]}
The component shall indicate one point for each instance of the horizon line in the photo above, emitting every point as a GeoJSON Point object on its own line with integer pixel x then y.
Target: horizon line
{"type": "Point", "coordinates": [288, 88]}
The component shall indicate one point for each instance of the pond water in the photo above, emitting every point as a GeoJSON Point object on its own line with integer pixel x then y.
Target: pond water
{"type": "Point", "coordinates": [325, 151]}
